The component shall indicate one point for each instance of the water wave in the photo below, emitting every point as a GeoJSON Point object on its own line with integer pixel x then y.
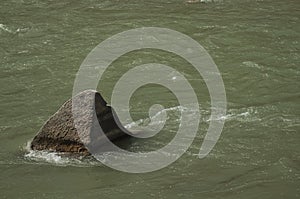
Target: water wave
{"type": "Point", "coordinates": [249, 114]}
{"type": "Point", "coordinates": [58, 158]}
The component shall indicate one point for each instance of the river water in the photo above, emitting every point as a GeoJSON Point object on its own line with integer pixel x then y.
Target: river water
{"type": "Point", "coordinates": [255, 45]}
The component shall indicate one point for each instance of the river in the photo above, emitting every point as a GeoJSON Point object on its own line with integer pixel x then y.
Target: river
{"type": "Point", "coordinates": [254, 43]}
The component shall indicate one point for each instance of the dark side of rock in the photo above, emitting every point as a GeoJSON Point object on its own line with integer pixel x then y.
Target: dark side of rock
{"type": "Point", "coordinates": [60, 135]}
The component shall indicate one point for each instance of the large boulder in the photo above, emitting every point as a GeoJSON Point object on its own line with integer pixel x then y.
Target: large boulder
{"type": "Point", "coordinates": [59, 133]}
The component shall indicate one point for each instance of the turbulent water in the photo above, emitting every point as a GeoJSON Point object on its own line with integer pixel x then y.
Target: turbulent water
{"type": "Point", "coordinates": [255, 45]}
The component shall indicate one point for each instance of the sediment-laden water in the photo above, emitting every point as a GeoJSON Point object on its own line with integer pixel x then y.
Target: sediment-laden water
{"type": "Point", "coordinates": [255, 45]}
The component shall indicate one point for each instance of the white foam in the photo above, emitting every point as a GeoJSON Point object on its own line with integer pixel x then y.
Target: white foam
{"type": "Point", "coordinates": [58, 159]}
{"type": "Point", "coordinates": [49, 157]}
{"type": "Point", "coordinates": [4, 27]}
{"type": "Point", "coordinates": [134, 124]}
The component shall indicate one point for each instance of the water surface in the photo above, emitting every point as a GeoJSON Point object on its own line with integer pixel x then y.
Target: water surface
{"type": "Point", "coordinates": [256, 47]}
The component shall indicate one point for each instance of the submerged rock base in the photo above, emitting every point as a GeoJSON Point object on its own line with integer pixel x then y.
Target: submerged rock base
{"type": "Point", "coordinates": [60, 135]}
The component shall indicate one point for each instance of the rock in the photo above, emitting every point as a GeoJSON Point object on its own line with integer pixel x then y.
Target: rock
{"type": "Point", "coordinates": [60, 135]}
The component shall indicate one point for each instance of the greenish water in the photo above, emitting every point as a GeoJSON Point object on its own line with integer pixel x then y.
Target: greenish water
{"type": "Point", "coordinates": [256, 47]}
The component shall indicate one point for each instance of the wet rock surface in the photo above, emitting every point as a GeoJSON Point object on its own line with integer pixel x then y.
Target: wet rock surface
{"type": "Point", "coordinates": [59, 133]}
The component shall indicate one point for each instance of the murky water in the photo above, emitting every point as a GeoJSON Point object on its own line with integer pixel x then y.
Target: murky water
{"type": "Point", "coordinates": [256, 47]}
